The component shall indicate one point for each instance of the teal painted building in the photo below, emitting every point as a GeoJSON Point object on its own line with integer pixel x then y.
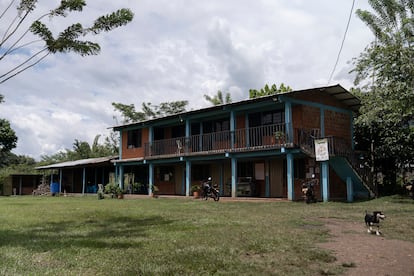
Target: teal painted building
{"type": "Point", "coordinates": [263, 147]}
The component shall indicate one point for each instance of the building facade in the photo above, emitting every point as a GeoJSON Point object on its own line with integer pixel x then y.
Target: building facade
{"type": "Point", "coordinates": [263, 147]}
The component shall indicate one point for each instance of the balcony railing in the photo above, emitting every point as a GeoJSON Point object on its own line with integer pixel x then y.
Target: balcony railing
{"type": "Point", "coordinates": [255, 138]}
{"type": "Point", "coordinates": [337, 146]}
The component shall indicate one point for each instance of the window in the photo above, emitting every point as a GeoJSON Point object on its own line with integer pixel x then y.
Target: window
{"type": "Point", "coordinates": [266, 118]}
{"type": "Point", "coordinates": [134, 138]}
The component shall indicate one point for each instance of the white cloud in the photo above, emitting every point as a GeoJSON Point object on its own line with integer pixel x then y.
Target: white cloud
{"type": "Point", "coordinates": [177, 50]}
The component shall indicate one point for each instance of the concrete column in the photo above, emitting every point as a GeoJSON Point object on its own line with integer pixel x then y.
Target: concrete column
{"type": "Point", "coordinates": [233, 176]}
{"type": "Point", "coordinates": [150, 177]}
{"type": "Point", "coordinates": [187, 177]}
{"type": "Point", "coordinates": [290, 176]}
{"type": "Point", "coordinates": [349, 190]}
{"type": "Point", "coordinates": [288, 122]}
{"type": "Point", "coordinates": [325, 181]}
{"type": "Point", "coordinates": [83, 180]}
{"type": "Point", "coordinates": [232, 128]}
{"type": "Point", "coordinates": [121, 177]}
{"type": "Point", "coordinates": [60, 180]}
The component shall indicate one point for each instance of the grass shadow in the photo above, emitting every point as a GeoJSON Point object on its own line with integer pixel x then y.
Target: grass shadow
{"type": "Point", "coordinates": [109, 232]}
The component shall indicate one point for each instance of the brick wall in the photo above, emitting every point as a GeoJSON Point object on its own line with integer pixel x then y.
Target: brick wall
{"type": "Point", "coordinates": [134, 152]}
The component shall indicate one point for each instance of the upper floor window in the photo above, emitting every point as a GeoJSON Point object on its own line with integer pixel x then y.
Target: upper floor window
{"type": "Point", "coordinates": [134, 138]}
{"type": "Point", "coordinates": [266, 118]}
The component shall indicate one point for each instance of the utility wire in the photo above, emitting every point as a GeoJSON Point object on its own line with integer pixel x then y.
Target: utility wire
{"type": "Point", "coordinates": [342, 44]}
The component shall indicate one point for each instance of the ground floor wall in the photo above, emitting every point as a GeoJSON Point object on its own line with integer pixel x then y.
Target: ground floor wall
{"type": "Point", "coordinates": [254, 177]}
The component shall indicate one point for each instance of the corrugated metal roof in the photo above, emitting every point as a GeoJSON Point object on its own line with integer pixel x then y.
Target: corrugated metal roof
{"type": "Point", "coordinates": [337, 91]}
{"type": "Point", "coordinates": [78, 163]}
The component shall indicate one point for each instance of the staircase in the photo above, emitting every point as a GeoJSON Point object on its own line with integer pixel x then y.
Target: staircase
{"type": "Point", "coordinates": [344, 169]}
{"type": "Point", "coordinates": [342, 160]}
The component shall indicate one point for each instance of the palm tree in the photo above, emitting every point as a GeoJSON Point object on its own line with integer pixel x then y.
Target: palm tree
{"type": "Point", "coordinates": [218, 98]}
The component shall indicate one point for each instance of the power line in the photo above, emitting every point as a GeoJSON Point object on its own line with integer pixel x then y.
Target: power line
{"type": "Point", "coordinates": [343, 40]}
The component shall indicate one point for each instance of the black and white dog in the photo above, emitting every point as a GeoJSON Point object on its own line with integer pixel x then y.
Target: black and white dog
{"type": "Point", "coordinates": [373, 219]}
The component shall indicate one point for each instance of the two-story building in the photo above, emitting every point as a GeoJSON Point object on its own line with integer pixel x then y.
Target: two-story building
{"type": "Point", "coordinates": [262, 147]}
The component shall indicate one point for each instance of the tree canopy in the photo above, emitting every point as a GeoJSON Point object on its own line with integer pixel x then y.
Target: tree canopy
{"type": "Point", "coordinates": [84, 150]}
{"type": "Point", "coordinates": [266, 90]}
{"type": "Point", "coordinates": [8, 138]}
{"type": "Point", "coordinates": [218, 98]}
{"type": "Point", "coordinates": [385, 72]}
{"type": "Point", "coordinates": [149, 111]}
{"type": "Point", "coordinates": [16, 38]}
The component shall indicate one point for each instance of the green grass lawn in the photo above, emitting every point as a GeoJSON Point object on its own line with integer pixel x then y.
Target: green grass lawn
{"type": "Point", "coordinates": [87, 236]}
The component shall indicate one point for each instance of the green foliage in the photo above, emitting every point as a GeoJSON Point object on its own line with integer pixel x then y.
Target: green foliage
{"type": "Point", "coordinates": [149, 111]}
{"type": "Point", "coordinates": [387, 113]}
{"type": "Point", "coordinates": [68, 40]}
{"type": "Point", "coordinates": [113, 189]}
{"type": "Point", "coordinates": [83, 150]}
{"type": "Point", "coordinates": [266, 91]}
{"type": "Point", "coordinates": [218, 98]}
{"type": "Point", "coordinates": [8, 138]}
{"type": "Point", "coordinates": [195, 188]}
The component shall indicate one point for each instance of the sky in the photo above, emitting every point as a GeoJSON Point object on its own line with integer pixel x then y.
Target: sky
{"type": "Point", "coordinates": [175, 50]}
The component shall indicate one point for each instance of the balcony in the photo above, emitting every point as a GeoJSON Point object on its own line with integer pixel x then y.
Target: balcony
{"type": "Point", "coordinates": [240, 140]}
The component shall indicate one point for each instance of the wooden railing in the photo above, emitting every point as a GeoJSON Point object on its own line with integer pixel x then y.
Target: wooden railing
{"type": "Point", "coordinates": [337, 146]}
{"type": "Point", "coordinates": [256, 138]}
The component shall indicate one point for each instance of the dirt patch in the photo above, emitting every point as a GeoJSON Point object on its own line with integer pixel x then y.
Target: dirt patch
{"type": "Point", "coordinates": [362, 253]}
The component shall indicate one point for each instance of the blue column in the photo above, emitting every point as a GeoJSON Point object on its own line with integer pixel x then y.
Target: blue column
{"type": "Point", "coordinates": [121, 176]}
{"type": "Point", "coordinates": [187, 136]}
{"type": "Point", "coordinates": [322, 122]}
{"type": "Point", "coordinates": [325, 180]}
{"type": "Point", "coordinates": [83, 180]}
{"type": "Point", "coordinates": [187, 177]}
{"type": "Point", "coordinates": [150, 177]}
{"type": "Point", "coordinates": [232, 128]}
{"type": "Point", "coordinates": [60, 181]}
{"type": "Point", "coordinates": [349, 190]}
{"type": "Point", "coordinates": [151, 134]}
{"type": "Point", "coordinates": [233, 176]}
{"type": "Point", "coordinates": [288, 122]}
{"type": "Point", "coordinates": [290, 176]}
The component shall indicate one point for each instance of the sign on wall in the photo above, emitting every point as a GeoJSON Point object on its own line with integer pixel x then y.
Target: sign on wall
{"type": "Point", "coordinates": [321, 149]}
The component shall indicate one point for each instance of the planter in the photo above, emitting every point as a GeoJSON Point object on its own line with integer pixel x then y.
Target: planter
{"type": "Point", "coordinates": [196, 194]}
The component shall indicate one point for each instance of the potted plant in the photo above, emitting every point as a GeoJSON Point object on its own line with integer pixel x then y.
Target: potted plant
{"type": "Point", "coordinates": [114, 190]}
{"type": "Point", "coordinates": [119, 192]}
{"type": "Point", "coordinates": [154, 191]}
{"type": "Point", "coordinates": [195, 189]}
{"type": "Point", "coordinates": [279, 137]}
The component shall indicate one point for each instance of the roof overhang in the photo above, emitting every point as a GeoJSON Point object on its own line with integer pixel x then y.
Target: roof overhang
{"type": "Point", "coordinates": [79, 163]}
{"type": "Point", "coordinates": [349, 100]}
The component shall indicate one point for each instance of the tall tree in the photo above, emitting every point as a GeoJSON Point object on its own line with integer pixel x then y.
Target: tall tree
{"type": "Point", "coordinates": [8, 138]}
{"type": "Point", "coordinates": [218, 98]}
{"type": "Point", "coordinates": [68, 40]}
{"type": "Point", "coordinates": [266, 90]}
{"type": "Point", "coordinates": [149, 111]}
{"type": "Point", "coordinates": [387, 66]}
{"type": "Point", "coordinates": [84, 150]}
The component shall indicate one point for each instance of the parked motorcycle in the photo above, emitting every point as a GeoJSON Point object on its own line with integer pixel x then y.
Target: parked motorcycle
{"type": "Point", "coordinates": [308, 189]}
{"type": "Point", "coordinates": [210, 190]}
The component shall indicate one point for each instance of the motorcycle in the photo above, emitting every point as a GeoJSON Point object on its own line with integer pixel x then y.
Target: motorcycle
{"type": "Point", "coordinates": [210, 190]}
{"type": "Point", "coordinates": [308, 189]}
